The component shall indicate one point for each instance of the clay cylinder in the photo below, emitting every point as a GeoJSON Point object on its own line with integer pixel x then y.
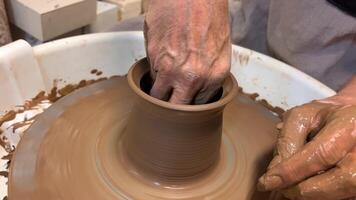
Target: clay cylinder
{"type": "Point", "coordinates": [169, 141]}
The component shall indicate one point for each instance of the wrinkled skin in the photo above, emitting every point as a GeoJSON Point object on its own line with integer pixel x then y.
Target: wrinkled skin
{"type": "Point", "coordinates": [325, 167]}
{"type": "Point", "coordinates": [189, 48]}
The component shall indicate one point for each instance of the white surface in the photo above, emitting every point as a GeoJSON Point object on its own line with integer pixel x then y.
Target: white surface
{"type": "Point", "coordinates": [73, 58]}
{"type": "Point", "coordinates": [127, 8]}
{"type": "Point", "coordinates": [106, 17]}
{"type": "Point", "coordinates": [47, 19]}
{"type": "Point", "coordinates": [20, 76]}
{"type": "Point", "coordinates": [24, 71]}
{"type": "Point", "coordinates": [278, 83]}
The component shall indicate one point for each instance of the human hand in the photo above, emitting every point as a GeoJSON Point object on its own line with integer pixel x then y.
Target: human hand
{"type": "Point", "coordinates": [189, 48]}
{"type": "Point", "coordinates": [325, 167]}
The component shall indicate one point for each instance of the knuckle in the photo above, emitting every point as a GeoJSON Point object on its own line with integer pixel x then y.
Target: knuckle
{"type": "Point", "coordinates": [300, 113]}
{"type": "Point", "coordinates": [180, 90]}
{"type": "Point", "coordinates": [180, 95]}
{"type": "Point", "coordinates": [298, 110]}
{"type": "Point", "coordinates": [162, 68]}
{"type": "Point", "coordinates": [286, 147]}
{"type": "Point", "coordinates": [163, 73]}
{"type": "Point", "coordinates": [327, 155]}
{"type": "Point", "coordinates": [218, 74]}
{"type": "Point", "coordinates": [191, 77]}
{"type": "Point", "coordinates": [289, 173]}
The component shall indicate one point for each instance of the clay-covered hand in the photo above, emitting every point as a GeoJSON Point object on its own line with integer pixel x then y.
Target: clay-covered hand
{"type": "Point", "coordinates": [316, 152]}
{"type": "Point", "coordinates": [188, 46]}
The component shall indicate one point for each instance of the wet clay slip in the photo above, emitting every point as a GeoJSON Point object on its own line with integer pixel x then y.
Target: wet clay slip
{"type": "Point", "coordinates": [111, 140]}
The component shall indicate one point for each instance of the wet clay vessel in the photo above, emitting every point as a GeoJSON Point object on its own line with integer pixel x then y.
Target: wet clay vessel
{"type": "Point", "coordinates": [110, 140]}
{"type": "Point", "coordinates": [170, 141]}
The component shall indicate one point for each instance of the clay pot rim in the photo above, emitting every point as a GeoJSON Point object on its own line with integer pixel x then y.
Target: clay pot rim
{"type": "Point", "coordinates": [179, 107]}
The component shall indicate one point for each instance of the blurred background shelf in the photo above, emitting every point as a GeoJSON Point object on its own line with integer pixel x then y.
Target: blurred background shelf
{"type": "Point", "coordinates": [39, 21]}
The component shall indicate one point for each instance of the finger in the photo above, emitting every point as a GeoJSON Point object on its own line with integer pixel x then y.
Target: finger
{"type": "Point", "coordinates": [338, 183]}
{"type": "Point", "coordinates": [186, 87]}
{"type": "Point", "coordinates": [332, 143]}
{"type": "Point", "coordinates": [206, 94]}
{"type": "Point", "coordinates": [183, 95]}
{"type": "Point", "coordinates": [161, 88]}
{"type": "Point", "coordinates": [298, 123]}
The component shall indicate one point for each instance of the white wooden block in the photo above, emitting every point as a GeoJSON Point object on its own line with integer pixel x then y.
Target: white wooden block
{"type": "Point", "coordinates": [106, 17]}
{"type": "Point", "coordinates": [127, 8]}
{"type": "Point", "coordinates": [47, 19]}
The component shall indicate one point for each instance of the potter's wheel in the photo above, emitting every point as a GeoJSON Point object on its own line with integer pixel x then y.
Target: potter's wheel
{"type": "Point", "coordinates": [71, 152]}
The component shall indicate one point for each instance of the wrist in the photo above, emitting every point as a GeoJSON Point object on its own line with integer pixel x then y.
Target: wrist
{"type": "Point", "coordinates": [341, 99]}
{"type": "Point", "coordinates": [346, 96]}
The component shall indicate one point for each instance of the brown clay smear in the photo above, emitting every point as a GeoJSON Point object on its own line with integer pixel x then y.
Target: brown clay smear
{"type": "Point", "coordinates": [93, 71]}
{"type": "Point", "coordinates": [278, 110]}
{"type": "Point", "coordinates": [7, 117]}
{"type": "Point", "coordinates": [53, 96]}
{"type": "Point", "coordinates": [75, 150]}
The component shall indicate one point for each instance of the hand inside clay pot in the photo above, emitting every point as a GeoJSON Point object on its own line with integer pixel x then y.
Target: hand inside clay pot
{"type": "Point", "coordinates": [325, 167]}
{"type": "Point", "coordinates": [189, 48]}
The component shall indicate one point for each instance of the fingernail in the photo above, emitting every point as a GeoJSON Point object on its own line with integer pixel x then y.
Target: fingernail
{"type": "Point", "coordinates": [261, 184]}
{"type": "Point", "coordinates": [267, 183]}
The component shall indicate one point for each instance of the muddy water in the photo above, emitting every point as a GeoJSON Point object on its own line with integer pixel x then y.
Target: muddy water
{"type": "Point", "coordinates": [75, 150]}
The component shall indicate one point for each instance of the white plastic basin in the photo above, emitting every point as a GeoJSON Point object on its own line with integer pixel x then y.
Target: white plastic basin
{"type": "Point", "coordinates": [25, 71]}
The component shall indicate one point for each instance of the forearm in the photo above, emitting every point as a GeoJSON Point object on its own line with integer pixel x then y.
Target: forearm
{"type": "Point", "coordinates": [349, 89]}
{"type": "Point", "coordinates": [191, 21]}
{"type": "Point", "coordinates": [347, 95]}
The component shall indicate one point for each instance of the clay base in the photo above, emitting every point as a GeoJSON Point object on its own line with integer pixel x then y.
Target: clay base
{"type": "Point", "coordinates": [74, 151]}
